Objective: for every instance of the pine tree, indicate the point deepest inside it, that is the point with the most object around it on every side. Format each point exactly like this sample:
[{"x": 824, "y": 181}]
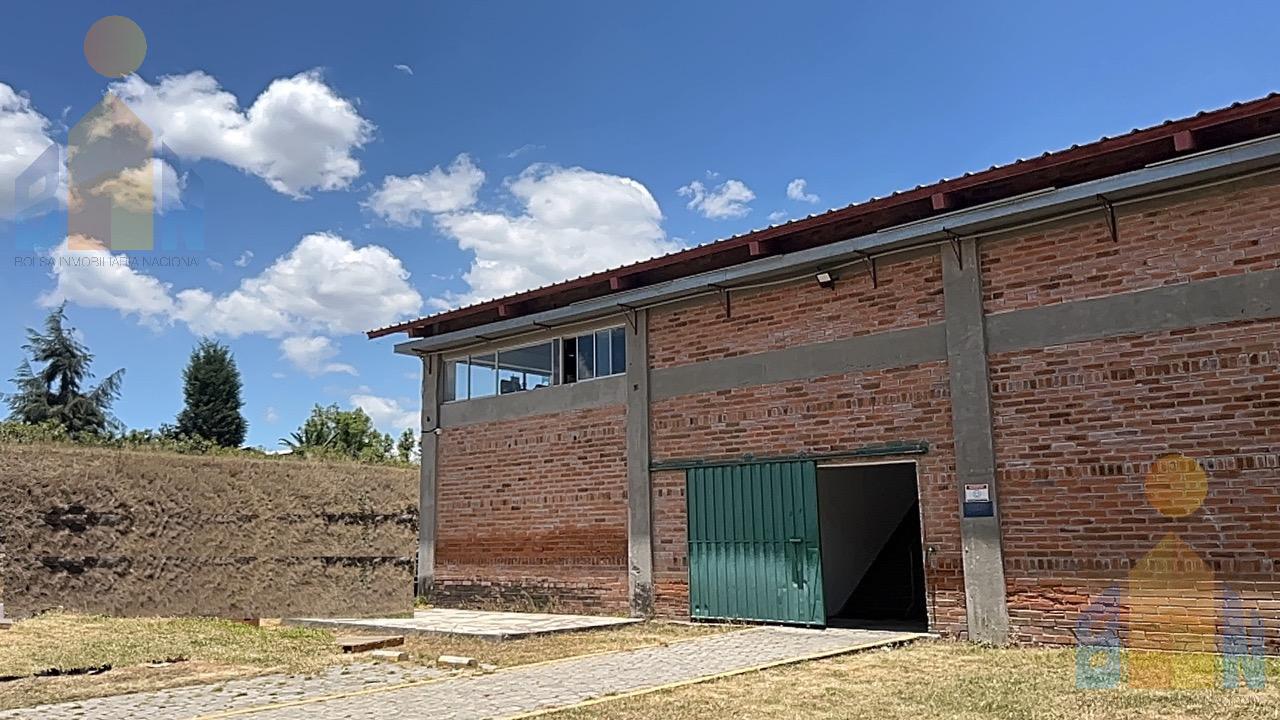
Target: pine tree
[
  {"x": 407, "y": 444},
  {"x": 56, "y": 392},
  {"x": 211, "y": 386}
]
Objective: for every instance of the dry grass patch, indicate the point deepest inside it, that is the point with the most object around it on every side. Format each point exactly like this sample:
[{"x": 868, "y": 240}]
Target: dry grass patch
[
  {"x": 210, "y": 650},
  {"x": 936, "y": 679},
  {"x": 425, "y": 649}
]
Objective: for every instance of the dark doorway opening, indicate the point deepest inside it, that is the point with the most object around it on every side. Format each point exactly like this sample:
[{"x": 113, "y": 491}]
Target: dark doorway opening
[{"x": 872, "y": 555}]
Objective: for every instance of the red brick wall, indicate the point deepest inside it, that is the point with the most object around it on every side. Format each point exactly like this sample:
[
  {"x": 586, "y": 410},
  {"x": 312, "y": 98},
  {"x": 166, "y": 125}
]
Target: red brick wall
[
  {"x": 1195, "y": 237},
  {"x": 909, "y": 295},
  {"x": 828, "y": 414},
  {"x": 1078, "y": 428},
  {"x": 670, "y": 545},
  {"x": 534, "y": 509}
]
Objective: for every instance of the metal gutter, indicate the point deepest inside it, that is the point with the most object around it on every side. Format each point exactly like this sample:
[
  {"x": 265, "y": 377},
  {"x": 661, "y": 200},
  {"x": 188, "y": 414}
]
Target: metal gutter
[{"x": 1000, "y": 216}]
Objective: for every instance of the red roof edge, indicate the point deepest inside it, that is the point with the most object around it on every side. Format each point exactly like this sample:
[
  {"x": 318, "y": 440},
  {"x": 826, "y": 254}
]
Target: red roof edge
[{"x": 1081, "y": 163}]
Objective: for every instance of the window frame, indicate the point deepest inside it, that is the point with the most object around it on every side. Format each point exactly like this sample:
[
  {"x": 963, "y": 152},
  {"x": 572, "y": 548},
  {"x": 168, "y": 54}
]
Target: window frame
[{"x": 557, "y": 343}]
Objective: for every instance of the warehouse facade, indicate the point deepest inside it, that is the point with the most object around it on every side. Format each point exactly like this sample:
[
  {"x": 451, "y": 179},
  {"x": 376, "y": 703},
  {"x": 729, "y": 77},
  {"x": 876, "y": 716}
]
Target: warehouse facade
[{"x": 1007, "y": 406}]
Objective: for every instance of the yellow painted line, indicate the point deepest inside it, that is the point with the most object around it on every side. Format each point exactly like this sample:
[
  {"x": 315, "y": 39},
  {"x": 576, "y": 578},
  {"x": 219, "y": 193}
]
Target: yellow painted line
[
  {"x": 240, "y": 712},
  {"x": 905, "y": 637}
]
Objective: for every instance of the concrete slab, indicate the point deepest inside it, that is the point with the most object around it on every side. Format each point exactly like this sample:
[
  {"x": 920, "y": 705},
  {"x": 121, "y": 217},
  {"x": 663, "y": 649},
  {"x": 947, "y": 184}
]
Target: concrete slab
[
  {"x": 365, "y": 643},
  {"x": 469, "y": 623}
]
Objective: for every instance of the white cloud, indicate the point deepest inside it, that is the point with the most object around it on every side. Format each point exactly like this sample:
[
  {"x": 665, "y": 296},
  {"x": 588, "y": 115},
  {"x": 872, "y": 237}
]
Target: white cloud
[
  {"x": 243, "y": 260},
  {"x": 777, "y": 216},
  {"x": 24, "y": 135},
  {"x": 324, "y": 283},
  {"x": 404, "y": 200},
  {"x": 574, "y": 222},
  {"x": 271, "y": 416},
  {"x": 89, "y": 275},
  {"x": 728, "y": 200},
  {"x": 217, "y": 266},
  {"x": 403, "y": 68},
  {"x": 298, "y": 135},
  {"x": 798, "y": 190},
  {"x": 387, "y": 413},
  {"x": 526, "y": 148},
  {"x": 312, "y": 355},
  {"x": 153, "y": 186}
]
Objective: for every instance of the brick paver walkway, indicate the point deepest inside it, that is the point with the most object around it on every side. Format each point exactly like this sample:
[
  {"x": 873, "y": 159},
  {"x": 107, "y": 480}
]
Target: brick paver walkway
[
  {"x": 195, "y": 700},
  {"x": 526, "y": 689}
]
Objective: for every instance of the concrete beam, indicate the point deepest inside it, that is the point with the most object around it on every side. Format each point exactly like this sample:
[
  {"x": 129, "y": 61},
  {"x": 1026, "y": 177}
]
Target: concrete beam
[
  {"x": 639, "y": 488},
  {"x": 895, "y": 348},
  {"x": 984, "y": 586},
  {"x": 600, "y": 392},
  {"x": 1252, "y": 296},
  {"x": 427, "y": 481}
]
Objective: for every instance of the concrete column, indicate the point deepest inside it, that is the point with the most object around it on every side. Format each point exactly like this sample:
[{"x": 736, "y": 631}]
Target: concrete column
[
  {"x": 639, "y": 490},
  {"x": 984, "y": 587},
  {"x": 432, "y": 369}
]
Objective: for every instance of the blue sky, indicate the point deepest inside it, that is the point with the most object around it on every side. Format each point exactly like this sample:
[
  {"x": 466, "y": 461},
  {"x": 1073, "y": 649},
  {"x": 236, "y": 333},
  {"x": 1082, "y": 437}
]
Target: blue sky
[{"x": 603, "y": 133}]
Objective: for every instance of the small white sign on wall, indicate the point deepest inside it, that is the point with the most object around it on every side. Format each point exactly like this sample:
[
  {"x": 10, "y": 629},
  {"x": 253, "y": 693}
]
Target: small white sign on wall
[{"x": 977, "y": 492}]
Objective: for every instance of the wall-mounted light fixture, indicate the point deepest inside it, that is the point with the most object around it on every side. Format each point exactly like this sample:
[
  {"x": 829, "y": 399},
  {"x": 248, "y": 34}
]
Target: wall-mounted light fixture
[{"x": 825, "y": 280}]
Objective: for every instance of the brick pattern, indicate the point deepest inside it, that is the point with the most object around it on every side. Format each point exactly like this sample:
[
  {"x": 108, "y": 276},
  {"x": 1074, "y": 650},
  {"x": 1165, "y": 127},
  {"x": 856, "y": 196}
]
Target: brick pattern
[
  {"x": 824, "y": 415},
  {"x": 534, "y": 511},
  {"x": 909, "y": 294},
  {"x": 1078, "y": 428},
  {"x": 1217, "y": 233}
]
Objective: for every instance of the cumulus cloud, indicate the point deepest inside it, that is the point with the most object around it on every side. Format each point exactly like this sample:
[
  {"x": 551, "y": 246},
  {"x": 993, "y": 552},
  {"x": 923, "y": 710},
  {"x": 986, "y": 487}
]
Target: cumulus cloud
[
  {"x": 243, "y": 260},
  {"x": 777, "y": 216},
  {"x": 298, "y": 135},
  {"x": 153, "y": 186},
  {"x": 730, "y": 199},
  {"x": 324, "y": 284},
  {"x": 798, "y": 190},
  {"x": 403, "y": 68},
  {"x": 24, "y": 136},
  {"x": 89, "y": 275},
  {"x": 386, "y": 413},
  {"x": 312, "y": 355},
  {"x": 405, "y": 200},
  {"x": 573, "y": 222}
]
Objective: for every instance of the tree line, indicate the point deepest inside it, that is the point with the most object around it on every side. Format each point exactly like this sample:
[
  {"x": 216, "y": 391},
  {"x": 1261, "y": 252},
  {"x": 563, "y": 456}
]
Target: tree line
[{"x": 54, "y": 400}]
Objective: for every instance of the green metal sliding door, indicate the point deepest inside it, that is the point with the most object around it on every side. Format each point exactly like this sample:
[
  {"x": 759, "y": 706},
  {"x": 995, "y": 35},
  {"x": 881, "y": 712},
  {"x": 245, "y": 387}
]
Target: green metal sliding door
[{"x": 753, "y": 543}]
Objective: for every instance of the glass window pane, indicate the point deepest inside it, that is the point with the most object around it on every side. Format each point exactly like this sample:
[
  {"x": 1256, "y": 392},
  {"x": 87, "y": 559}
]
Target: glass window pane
[
  {"x": 586, "y": 357},
  {"x": 604, "y": 358},
  {"x": 455, "y": 383},
  {"x": 618, "y": 343},
  {"x": 484, "y": 376},
  {"x": 525, "y": 368}
]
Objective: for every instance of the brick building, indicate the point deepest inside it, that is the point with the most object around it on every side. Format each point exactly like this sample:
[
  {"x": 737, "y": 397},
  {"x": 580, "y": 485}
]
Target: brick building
[{"x": 996, "y": 406}]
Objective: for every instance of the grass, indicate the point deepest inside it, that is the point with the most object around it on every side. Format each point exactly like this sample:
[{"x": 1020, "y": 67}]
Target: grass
[
  {"x": 210, "y": 650},
  {"x": 554, "y": 647},
  {"x": 935, "y": 679}
]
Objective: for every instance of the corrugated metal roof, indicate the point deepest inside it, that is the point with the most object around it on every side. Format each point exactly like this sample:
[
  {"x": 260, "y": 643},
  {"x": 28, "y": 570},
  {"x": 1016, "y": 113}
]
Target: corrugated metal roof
[{"x": 1107, "y": 156}]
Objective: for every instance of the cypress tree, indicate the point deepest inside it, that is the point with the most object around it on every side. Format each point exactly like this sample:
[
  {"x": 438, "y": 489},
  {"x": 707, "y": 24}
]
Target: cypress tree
[{"x": 211, "y": 386}]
